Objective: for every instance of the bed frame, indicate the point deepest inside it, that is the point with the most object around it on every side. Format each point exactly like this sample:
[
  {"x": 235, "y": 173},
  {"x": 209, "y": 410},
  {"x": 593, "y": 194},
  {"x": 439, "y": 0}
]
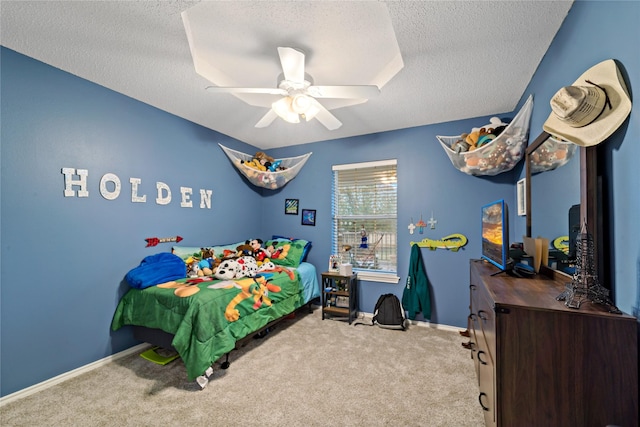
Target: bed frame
[{"x": 162, "y": 339}]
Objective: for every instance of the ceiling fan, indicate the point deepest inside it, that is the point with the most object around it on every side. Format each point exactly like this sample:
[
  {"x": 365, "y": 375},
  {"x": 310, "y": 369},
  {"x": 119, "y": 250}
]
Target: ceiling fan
[{"x": 299, "y": 93}]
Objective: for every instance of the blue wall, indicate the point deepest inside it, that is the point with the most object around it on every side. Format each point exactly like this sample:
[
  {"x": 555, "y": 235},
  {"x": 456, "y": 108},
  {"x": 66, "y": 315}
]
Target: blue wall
[
  {"x": 426, "y": 182},
  {"x": 593, "y": 32},
  {"x": 81, "y": 248},
  {"x": 64, "y": 258}
]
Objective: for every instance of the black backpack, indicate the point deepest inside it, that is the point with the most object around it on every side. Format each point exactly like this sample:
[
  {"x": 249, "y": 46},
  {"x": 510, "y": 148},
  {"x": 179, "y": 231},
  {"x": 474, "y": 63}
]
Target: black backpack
[{"x": 388, "y": 312}]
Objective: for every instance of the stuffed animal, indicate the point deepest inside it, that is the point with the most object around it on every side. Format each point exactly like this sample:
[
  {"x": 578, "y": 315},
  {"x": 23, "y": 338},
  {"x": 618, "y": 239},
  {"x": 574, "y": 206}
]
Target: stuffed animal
[
  {"x": 192, "y": 266},
  {"x": 209, "y": 262},
  {"x": 204, "y": 268},
  {"x": 247, "y": 267},
  {"x": 259, "y": 253},
  {"x": 495, "y": 126},
  {"x": 279, "y": 250},
  {"x": 479, "y": 137},
  {"x": 275, "y": 166},
  {"x": 460, "y": 146},
  {"x": 474, "y": 138},
  {"x": 228, "y": 254},
  {"x": 244, "y": 250},
  {"x": 493, "y": 130},
  {"x": 267, "y": 266},
  {"x": 546, "y": 158},
  {"x": 254, "y": 164},
  {"x": 227, "y": 270},
  {"x": 207, "y": 253},
  {"x": 267, "y": 179},
  {"x": 264, "y": 159}
]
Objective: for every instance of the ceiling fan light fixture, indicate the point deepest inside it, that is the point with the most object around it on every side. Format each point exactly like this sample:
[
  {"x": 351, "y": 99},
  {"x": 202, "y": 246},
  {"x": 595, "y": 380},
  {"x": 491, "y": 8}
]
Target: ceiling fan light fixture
[
  {"x": 298, "y": 100},
  {"x": 284, "y": 110},
  {"x": 305, "y": 106},
  {"x": 300, "y": 103},
  {"x": 312, "y": 111}
]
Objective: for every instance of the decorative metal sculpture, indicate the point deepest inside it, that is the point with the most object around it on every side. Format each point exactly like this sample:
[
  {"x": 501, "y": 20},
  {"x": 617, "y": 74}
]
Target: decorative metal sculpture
[{"x": 585, "y": 285}]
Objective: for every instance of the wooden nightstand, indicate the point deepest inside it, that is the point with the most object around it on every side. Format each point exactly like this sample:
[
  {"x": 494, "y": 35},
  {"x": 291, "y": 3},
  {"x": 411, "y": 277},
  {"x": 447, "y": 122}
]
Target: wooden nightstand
[{"x": 340, "y": 295}]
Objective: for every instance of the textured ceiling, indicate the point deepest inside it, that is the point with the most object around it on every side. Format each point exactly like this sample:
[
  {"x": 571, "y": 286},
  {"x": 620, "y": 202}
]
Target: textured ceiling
[{"x": 462, "y": 59}]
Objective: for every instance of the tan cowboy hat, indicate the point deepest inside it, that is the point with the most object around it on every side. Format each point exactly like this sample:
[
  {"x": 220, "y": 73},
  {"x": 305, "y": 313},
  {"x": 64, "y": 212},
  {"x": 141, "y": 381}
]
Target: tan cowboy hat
[{"x": 589, "y": 111}]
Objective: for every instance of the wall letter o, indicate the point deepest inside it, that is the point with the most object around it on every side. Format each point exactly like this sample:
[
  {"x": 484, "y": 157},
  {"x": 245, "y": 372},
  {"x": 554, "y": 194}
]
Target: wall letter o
[{"x": 103, "y": 186}]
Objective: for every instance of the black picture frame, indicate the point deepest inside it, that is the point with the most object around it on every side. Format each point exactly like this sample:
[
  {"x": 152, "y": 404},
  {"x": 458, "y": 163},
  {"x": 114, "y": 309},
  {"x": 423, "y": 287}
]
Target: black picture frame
[
  {"x": 291, "y": 206},
  {"x": 309, "y": 217}
]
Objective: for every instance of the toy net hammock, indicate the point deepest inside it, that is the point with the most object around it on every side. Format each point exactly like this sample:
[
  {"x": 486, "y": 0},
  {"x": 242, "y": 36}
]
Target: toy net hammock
[
  {"x": 552, "y": 154},
  {"x": 266, "y": 179},
  {"x": 499, "y": 155}
]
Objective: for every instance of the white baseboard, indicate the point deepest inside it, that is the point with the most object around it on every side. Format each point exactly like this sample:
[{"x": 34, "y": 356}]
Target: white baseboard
[
  {"x": 68, "y": 375},
  {"x": 420, "y": 323}
]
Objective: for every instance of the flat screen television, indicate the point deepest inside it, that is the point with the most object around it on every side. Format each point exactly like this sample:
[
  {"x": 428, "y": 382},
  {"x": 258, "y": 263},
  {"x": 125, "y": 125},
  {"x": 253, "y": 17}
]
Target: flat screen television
[{"x": 495, "y": 234}]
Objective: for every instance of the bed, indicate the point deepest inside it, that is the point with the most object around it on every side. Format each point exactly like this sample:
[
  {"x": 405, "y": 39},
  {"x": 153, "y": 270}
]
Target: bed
[{"x": 205, "y": 318}]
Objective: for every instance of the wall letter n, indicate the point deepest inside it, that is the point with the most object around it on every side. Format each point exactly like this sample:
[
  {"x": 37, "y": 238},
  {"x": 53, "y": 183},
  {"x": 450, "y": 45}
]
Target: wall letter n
[{"x": 69, "y": 182}]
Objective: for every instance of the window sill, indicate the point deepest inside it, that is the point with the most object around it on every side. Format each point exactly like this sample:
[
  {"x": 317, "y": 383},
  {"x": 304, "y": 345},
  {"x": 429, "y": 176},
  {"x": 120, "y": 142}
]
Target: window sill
[{"x": 378, "y": 277}]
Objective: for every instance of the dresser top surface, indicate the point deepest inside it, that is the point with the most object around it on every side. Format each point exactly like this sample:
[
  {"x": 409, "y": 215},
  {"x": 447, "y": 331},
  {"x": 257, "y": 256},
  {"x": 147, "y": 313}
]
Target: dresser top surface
[{"x": 538, "y": 293}]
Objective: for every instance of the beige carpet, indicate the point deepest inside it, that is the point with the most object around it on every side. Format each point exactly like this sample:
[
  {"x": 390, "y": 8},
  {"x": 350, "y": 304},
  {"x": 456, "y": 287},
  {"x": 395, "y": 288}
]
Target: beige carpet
[{"x": 307, "y": 372}]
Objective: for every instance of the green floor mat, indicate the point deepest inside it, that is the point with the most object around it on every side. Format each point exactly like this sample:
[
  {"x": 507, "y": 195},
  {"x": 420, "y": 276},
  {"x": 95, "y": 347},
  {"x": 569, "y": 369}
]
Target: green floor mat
[{"x": 152, "y": 356}]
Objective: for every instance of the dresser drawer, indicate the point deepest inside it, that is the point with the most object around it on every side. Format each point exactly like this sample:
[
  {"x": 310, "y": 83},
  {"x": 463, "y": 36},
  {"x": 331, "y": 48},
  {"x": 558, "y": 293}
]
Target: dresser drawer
[
  {"x": 539, "y": 362},
  {"x": 482, "y": 321}
]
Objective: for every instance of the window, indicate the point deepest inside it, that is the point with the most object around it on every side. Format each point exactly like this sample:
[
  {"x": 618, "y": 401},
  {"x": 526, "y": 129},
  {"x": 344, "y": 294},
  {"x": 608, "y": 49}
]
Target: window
[{"x": 364, "y": 209}]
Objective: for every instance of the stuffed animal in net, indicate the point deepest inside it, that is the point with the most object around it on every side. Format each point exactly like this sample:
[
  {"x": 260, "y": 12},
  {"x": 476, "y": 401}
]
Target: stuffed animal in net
[
  {"x": 479, "y": 137},
  {"x": 263, "y": 162}
]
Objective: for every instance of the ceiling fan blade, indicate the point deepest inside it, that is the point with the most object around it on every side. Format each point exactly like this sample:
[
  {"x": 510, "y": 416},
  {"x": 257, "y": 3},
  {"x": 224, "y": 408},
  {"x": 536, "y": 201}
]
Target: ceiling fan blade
[
  {"x": 265, "y": 90},
  {"x": 346, "y": 92},
  {"x": 267, "y": 119},
  {"x": 325, "y": 117},
  {"x": 292, "y": 64}
]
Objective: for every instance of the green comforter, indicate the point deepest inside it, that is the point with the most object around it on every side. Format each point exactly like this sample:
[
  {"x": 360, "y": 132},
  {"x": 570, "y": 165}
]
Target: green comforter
[{"x": 203, "y": 323}]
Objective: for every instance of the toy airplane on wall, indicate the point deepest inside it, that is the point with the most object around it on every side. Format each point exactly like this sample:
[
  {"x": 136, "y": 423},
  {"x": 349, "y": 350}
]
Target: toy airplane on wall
[{"x": 452, "y": 242}]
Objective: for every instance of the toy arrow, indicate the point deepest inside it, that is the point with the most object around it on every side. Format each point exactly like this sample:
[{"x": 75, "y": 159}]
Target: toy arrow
[{"x": 153, "y": 241}]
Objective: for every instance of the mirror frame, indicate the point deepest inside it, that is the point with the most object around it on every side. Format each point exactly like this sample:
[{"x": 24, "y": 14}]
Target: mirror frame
[{"x": 588, "y": 193}]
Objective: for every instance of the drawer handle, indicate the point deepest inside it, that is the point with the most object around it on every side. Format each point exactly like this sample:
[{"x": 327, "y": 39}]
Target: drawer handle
[
  {"x": 482, "y": 314},
  {"x": 480, "y": 357},
  {"x": 484, "y": 408},
  {"x": 472, "y": 287}
]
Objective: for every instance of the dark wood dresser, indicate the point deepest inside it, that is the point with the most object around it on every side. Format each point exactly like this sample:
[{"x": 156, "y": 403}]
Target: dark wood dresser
[{"x": 540, "y": 363}]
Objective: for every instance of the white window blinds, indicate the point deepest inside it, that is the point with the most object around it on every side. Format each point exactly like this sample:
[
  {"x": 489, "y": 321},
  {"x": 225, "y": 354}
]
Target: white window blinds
[{"x": 364, "y": 209}]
